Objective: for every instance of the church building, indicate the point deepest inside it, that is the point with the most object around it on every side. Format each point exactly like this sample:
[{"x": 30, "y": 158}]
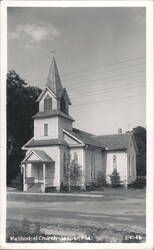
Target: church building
[{"x": 57, "y": 145}]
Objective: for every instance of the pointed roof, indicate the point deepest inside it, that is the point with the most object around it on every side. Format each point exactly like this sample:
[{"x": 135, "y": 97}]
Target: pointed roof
[
  {"x": 53, "y": 84},
  {"x": 53, "y": 79},
  {"x": 40, "y": 154}
]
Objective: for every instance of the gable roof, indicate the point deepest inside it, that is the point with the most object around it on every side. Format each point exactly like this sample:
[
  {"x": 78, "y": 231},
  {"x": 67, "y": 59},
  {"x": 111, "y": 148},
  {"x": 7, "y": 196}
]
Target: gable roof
[
  {"x": 48, "y": 142},
  {"x": 40, "y": 154},
  {"x": 116, "y": 141},
  {"x": 84, "y": 137},
  {"x": 44, "y": 92},
  {"x": 61, "y": 92},
  {"x": 52, "y": 113}
]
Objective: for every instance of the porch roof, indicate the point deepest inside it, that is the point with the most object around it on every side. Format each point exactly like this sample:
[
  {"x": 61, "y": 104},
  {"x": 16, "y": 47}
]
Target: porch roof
[
  {"x": 40, "y": 154},
  {"x": 48, "y": 142}
]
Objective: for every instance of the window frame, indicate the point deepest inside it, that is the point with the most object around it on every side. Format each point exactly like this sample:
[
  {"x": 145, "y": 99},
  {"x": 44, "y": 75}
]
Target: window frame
[
  {"x": 47, "y": 102},
  {"x": 129, "y": 166},
  {"x": 46, "y": 129},
  {"x": 63, "y": 105},
  {"x": 65, "y": 164},
  {"x": 93, "y": 166}
]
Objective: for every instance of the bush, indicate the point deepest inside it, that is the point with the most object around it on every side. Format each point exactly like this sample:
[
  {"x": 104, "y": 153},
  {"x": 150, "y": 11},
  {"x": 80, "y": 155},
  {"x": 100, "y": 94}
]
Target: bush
[
  {"x": 101, "y": 180},
  {"x": 64, "y": 188},
  {"x": 18, "y": 182},
  {"x": 92, "y": 186},
  {"x": 50, "y": 189},
  {"x": 140, "y": 183}
]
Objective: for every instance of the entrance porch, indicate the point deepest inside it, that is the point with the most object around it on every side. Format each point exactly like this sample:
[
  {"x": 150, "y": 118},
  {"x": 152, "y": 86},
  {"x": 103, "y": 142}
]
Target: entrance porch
[{"x": 38, "y": 172}]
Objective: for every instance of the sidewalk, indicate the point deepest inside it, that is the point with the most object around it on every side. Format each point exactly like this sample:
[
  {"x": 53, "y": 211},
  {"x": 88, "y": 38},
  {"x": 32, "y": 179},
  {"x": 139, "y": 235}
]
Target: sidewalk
[{"x": 55, "y": 194}]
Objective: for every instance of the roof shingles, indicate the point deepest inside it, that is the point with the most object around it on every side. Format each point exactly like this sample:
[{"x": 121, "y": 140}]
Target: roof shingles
[
  {"x": 49, "y": 142},
  {"x": 52, "y": 114},
  {"x": 43, "y": 155},
  {"x": 115, "y": 142},
  {"x": 86, "y": 138}
]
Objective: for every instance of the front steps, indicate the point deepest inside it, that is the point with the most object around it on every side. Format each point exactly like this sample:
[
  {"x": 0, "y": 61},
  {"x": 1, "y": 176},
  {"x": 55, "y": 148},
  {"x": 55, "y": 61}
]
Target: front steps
[{"x": 34, "y": 188}]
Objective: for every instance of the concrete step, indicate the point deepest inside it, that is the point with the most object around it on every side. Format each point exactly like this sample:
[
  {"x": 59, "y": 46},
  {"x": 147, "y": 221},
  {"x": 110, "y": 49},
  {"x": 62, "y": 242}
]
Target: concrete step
[{"x": 34, "y": 188}]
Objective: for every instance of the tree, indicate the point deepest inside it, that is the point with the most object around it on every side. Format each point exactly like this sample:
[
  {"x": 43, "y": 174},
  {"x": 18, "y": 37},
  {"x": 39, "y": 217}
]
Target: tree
[
  {"x": 73, "y": 172},
  {"x": 140, "y": 137},
  {"x": 21, "y": 106}
]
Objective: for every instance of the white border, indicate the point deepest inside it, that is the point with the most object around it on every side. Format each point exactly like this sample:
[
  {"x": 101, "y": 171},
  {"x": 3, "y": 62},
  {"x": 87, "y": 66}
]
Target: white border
[{"x": 150, "y": 122}]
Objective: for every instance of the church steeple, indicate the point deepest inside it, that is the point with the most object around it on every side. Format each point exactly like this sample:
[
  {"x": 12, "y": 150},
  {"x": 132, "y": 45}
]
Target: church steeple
[
  {"x": 54, "y": 96},
  {"x": 53, "y": 115},
  {"x": 53, "y": 79}
]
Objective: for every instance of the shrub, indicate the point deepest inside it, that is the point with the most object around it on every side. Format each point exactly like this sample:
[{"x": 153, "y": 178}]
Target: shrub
[
  {"x": 140, "y": 183},
  {"x": 101, "y": 181},
  {"x": 18, "y": 182},
  {"x": 50, "y": 189},
  {"x": 64, "y": 188}
]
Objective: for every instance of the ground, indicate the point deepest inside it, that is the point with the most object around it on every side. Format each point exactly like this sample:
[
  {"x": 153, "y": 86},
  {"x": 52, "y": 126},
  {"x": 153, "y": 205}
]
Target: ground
[{"x": 107, "y": 216}]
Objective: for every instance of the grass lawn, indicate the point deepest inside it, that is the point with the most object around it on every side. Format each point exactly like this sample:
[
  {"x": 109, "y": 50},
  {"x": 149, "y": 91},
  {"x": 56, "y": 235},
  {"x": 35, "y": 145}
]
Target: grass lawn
[{"x": 113, "y": 217}]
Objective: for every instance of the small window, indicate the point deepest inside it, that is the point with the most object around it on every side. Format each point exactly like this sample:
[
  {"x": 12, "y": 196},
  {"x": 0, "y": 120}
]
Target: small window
[
  {"x": 48, "y": 104},
  {"x": 46, "y": 129},
  {"x": 93, "y": 167}
]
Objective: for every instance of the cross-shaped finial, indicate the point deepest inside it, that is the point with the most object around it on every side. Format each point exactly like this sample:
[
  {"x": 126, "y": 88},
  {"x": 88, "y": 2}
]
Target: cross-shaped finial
[{"x": 53, "y": 51}]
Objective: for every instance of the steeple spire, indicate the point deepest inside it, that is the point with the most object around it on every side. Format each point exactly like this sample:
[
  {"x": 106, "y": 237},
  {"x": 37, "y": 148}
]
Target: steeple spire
[{"x": 53, "y": 79}]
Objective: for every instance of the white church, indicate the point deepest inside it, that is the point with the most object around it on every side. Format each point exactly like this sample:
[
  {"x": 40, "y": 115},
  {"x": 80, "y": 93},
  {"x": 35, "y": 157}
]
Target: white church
[{"x": 45, "y": 164}]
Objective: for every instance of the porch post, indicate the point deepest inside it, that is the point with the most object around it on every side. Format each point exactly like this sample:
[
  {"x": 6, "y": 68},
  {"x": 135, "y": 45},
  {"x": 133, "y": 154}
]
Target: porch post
[
  {"x": 43, "y": 185},
  {"x": 24, "y": 176}
]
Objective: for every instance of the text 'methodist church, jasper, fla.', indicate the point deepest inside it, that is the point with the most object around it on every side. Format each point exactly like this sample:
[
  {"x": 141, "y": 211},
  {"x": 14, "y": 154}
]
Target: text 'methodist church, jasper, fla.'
[{"x": 45, "y": 164}]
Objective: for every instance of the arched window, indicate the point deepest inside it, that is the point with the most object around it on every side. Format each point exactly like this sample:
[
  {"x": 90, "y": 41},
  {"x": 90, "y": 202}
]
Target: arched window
[
  {"x": 76, "y": 158},
  {"x": 47, "y": 103},
  {"x": 93, "y": 166},
  {"x": 133, "y": 166},
  {"x": 129, "y": 166},
  {"x": 63, "y": 105},
  {"x": 65, "y": 164},
  {"x": 114, "y": 162}
]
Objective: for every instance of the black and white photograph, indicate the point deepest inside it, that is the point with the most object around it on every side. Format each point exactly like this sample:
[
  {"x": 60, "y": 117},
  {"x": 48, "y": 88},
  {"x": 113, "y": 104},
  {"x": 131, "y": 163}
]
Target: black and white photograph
[{"x": 76, "y": 126}]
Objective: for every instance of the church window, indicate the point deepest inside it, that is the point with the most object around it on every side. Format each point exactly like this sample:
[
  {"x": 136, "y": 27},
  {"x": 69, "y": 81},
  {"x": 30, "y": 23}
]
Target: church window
[
  {"x": 93, "y": 166},
  {"x": 65, "y": 164},
  {"x": 114, "y": 162},
  {"x": 47, "y": 104},
  {"x": 63, "y": 105},
  {"x": 133, "y": 171},
  {"x": 76, "y": 158},
  {"x": 45, "y": 129},
  {"x": 129, "y": 165}
]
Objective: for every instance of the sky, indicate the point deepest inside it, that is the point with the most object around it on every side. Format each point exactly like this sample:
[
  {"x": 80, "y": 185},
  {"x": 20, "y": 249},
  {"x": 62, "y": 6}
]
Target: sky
[{"x": 100, "y": 53}]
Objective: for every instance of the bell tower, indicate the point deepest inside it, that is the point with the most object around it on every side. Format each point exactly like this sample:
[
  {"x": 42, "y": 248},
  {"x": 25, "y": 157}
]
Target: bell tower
[{"x": 53, "y": 115}]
